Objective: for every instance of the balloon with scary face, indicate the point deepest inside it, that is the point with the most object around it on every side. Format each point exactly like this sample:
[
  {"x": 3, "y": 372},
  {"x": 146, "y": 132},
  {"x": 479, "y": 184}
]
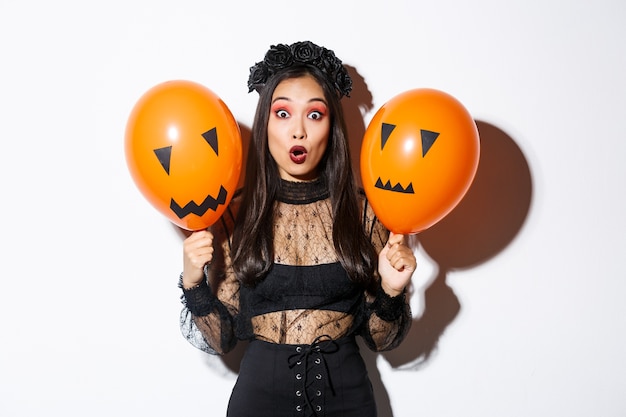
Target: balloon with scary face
[
  {"x": 183, "y": 150},
  {"x": 418, "y": 159}
]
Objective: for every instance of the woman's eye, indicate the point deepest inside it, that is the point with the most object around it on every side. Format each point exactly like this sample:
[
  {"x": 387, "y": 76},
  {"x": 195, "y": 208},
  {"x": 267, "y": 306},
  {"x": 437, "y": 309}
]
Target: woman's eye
[
  {"x": 282, "y": 114},
  {"x": 315, "y": 115}
]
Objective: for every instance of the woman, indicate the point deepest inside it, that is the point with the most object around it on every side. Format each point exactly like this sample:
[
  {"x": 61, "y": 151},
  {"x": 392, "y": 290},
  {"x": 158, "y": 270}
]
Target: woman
[{"x": 298, "y": 265}]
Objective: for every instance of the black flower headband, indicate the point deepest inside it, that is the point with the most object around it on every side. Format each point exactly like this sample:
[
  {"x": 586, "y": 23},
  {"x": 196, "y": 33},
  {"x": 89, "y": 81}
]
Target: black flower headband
[{"x": 282, "y": 56}]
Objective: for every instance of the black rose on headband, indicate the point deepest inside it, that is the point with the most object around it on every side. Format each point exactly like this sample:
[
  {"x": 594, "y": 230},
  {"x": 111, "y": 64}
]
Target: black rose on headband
[
  {"x": 278, "y": 57},
  {"x": 282, "y": 56},
  {"x": 306, "y": 52}
]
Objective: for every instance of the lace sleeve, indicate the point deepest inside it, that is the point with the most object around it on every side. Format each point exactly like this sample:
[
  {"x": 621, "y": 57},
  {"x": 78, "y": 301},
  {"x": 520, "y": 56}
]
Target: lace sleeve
[
  {"x": 387, "y": 319},
  {"x": 207, "y": 316}
]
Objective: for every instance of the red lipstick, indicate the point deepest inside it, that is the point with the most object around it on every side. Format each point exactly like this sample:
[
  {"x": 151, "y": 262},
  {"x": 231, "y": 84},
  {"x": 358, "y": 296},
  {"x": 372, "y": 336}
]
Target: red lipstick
[{"x": 298, "y": 154}]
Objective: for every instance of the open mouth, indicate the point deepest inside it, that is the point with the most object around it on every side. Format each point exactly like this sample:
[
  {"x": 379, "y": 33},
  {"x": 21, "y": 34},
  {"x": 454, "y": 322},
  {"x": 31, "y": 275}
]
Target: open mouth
[{"x": 298, "y": 154}]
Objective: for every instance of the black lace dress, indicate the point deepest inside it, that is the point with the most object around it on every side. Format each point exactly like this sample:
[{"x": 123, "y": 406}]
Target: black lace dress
[{"x": 301, "y": 320}]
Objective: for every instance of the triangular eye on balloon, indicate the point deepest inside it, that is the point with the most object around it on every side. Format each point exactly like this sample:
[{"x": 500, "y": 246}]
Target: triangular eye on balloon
[
  {"x": 428, "y": 137},
  {"x": 164, "y": 155},
  {"x": 211, "y": 137}
]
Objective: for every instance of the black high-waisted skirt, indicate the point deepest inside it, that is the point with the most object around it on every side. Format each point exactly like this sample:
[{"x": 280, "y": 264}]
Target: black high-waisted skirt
[{"x": 325, "y": 379}]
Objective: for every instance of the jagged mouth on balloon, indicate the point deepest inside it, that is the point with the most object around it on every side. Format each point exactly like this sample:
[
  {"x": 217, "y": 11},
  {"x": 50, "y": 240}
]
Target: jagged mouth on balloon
[
  {"x": 209, "y": 203},
  {"x": 398, "y": 188}
]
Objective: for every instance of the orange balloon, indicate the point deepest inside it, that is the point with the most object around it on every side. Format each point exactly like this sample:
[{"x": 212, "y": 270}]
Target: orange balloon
[
  {"x": 184, "y": 151},
  {"x": 418, "y": 159}
]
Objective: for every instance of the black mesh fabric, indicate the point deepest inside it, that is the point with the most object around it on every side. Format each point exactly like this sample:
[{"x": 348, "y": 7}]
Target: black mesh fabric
[{"x": 306, "y": 294}]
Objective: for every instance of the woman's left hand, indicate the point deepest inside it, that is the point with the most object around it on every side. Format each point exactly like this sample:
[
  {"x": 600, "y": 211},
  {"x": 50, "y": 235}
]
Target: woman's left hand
[{"x": 396, "y": 264}]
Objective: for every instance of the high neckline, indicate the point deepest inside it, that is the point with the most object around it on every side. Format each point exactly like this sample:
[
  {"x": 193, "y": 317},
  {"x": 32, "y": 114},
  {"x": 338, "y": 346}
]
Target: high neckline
[{"x": 302, "y": 192}]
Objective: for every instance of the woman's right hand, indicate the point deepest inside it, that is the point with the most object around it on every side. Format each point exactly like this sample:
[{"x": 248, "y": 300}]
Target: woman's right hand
[{"x": 197, "y": 252}]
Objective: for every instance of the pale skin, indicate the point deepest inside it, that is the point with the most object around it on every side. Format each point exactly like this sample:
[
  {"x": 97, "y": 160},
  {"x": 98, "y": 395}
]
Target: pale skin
[{"x": 298, "y": 131}]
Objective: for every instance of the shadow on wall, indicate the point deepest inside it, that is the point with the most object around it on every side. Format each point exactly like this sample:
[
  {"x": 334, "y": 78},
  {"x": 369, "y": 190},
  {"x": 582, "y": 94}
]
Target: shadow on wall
[
  {"x": 487, "y": 219},
  {"x": 484, "y": 223}
]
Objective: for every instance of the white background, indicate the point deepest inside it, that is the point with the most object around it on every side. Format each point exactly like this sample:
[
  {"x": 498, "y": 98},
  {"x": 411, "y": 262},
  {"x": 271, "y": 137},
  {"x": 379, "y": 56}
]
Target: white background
[{"x": 519, "y": 302}]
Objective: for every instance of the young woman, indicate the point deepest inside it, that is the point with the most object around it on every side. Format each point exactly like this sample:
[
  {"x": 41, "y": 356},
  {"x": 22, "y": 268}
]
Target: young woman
[{"x": 299, "y": 264}]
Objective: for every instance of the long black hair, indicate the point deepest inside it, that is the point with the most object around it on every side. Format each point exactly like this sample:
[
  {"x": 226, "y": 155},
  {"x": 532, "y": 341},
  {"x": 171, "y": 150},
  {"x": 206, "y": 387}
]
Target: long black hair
[{"x": 253, "y": 237}]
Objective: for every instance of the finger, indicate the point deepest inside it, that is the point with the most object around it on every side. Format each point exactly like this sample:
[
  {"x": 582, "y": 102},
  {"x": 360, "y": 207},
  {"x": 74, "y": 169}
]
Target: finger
[
  {"x": 395, "y": 238},
  {"x": 401, "y": 258},
  {"x": 396, "y": 247},
  {"x": 201, "y": 258},
  {"x": 199, "y": 234},
  {"x": 199, "y": 239}
]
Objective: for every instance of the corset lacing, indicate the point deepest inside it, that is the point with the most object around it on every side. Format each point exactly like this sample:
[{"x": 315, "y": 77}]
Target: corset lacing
[{"x": 321, "y": 346}]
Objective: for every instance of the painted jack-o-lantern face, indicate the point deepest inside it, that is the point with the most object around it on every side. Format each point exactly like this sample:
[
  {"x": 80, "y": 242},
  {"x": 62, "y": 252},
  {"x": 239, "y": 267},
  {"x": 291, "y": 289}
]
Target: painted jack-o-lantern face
[
  {"x": 184, "y": 151},
  {"x": 419, "y": 157}
]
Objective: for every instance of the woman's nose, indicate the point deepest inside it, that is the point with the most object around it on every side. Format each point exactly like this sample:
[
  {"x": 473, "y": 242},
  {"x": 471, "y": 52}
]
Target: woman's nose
[{"x": 299, "y": 132}]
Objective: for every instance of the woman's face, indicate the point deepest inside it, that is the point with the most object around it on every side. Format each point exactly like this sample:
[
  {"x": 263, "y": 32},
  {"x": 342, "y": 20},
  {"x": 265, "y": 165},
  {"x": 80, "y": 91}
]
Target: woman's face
[{"x": 298, "y": 128}]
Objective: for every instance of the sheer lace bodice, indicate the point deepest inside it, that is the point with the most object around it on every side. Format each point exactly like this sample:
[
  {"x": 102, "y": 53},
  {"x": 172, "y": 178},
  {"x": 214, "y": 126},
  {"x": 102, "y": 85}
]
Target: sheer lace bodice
[
  {"x": 304, "y": 234},
  {"x": 306, "y": 294}
]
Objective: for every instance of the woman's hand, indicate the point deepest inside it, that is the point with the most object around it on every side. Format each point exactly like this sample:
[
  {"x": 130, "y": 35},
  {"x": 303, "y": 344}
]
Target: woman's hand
[
  {"x": 396, "y": 264},
  {"x": 197, "y": 252}
]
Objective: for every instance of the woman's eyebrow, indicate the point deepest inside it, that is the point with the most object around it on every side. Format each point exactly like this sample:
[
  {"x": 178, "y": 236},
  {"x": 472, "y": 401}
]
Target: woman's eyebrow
[
  {"x": 312, "y": 100},
  {"x": 280, "y": 98}
]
